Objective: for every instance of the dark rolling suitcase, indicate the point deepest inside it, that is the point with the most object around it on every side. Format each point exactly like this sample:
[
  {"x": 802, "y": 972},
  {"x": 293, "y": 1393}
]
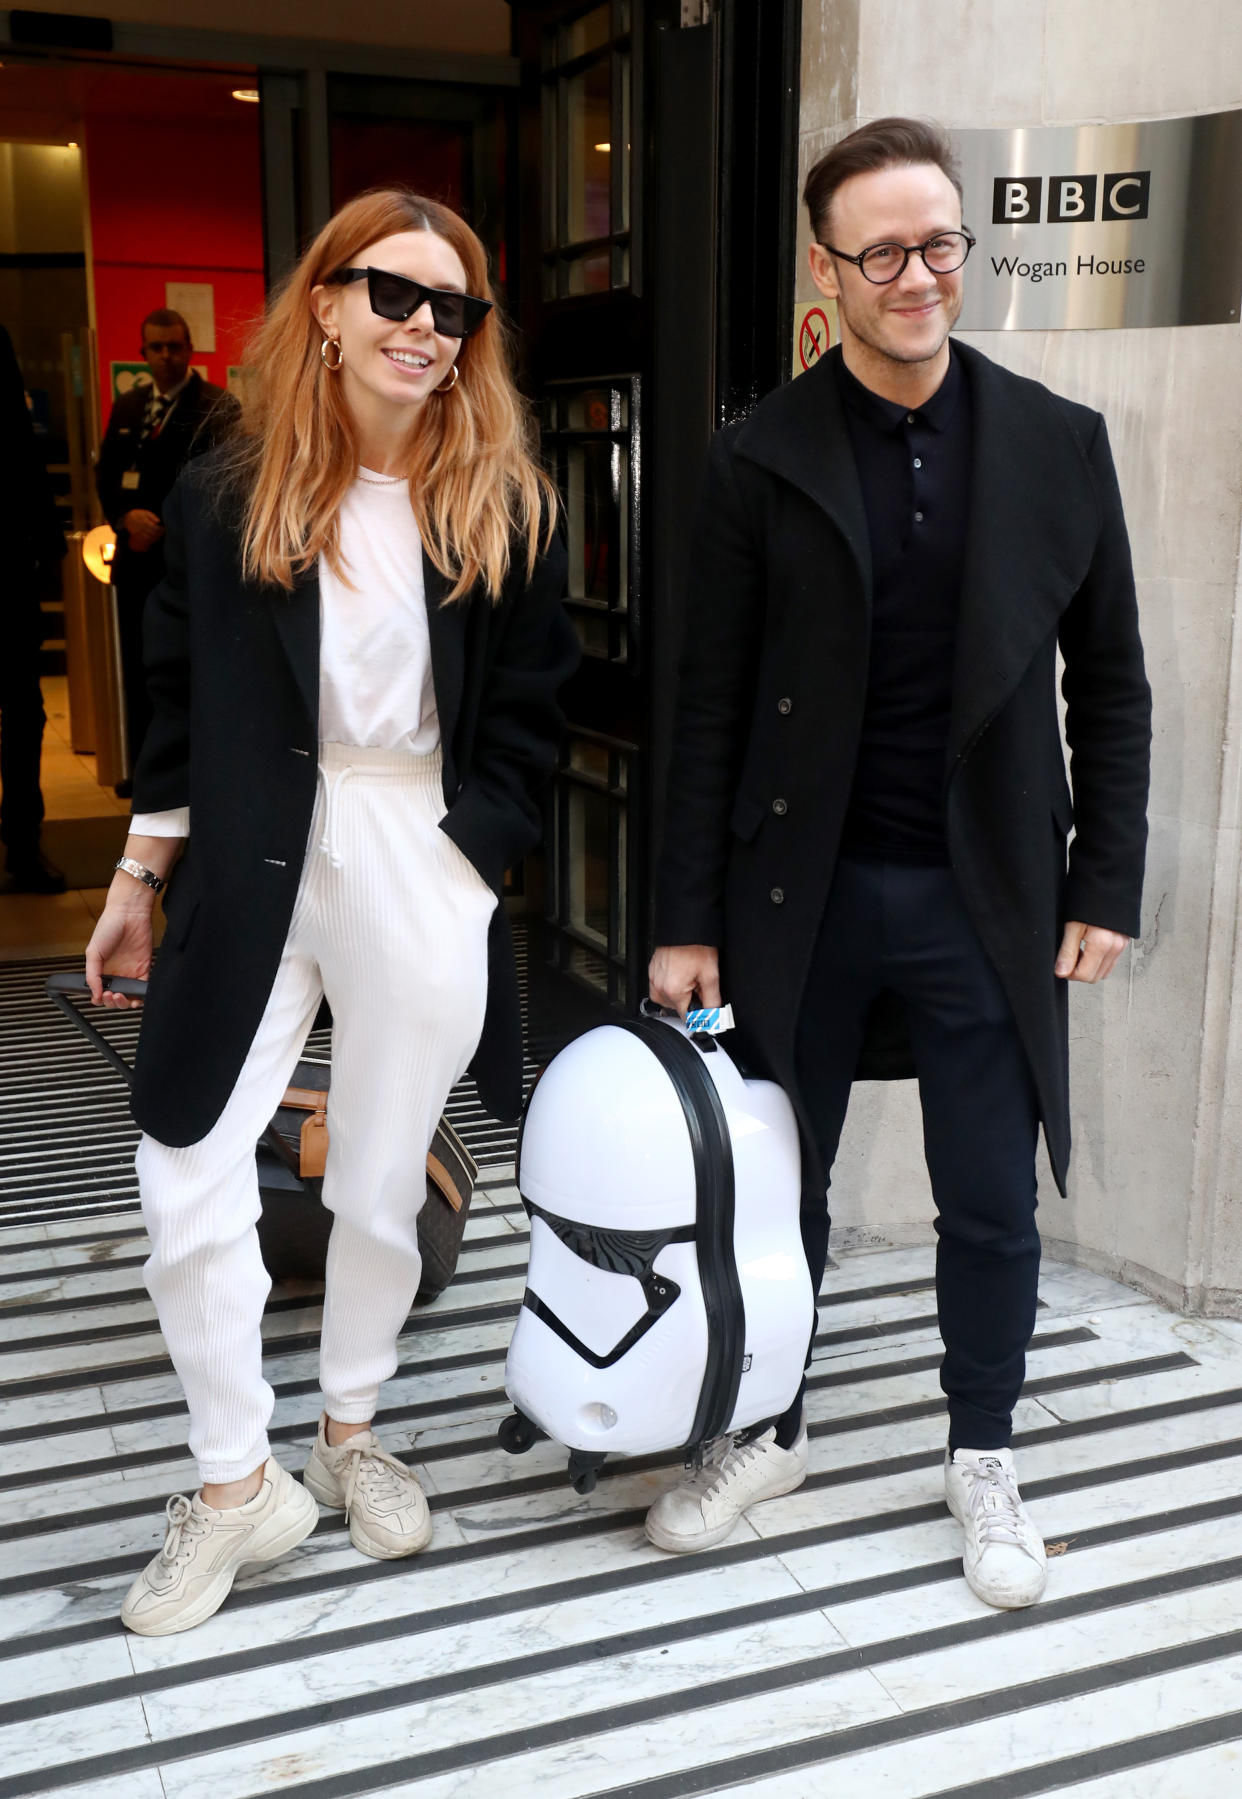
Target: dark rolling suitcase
[{"x": 295, "y": 1224}]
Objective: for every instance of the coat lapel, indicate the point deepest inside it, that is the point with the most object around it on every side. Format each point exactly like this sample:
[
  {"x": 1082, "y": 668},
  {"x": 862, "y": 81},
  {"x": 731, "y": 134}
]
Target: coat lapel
[
  {"x": 1029, "y": 541},
  {"x": 296, "y": 617},
  {"x": 446, "y": 628},
  {"x": 800, "y": 434}
]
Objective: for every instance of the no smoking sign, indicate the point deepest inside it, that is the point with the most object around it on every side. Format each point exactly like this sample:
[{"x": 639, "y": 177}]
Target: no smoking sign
[{"x": 814, "y": 333}]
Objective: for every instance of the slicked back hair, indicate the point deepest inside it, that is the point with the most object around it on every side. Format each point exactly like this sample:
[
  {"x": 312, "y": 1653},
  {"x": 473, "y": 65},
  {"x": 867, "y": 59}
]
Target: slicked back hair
[{"x": 883, "y": 144}]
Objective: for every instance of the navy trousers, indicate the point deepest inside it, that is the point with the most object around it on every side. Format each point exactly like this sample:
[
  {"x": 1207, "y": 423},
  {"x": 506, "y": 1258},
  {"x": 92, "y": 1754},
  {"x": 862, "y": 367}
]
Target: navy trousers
[{"x": 904, "y": 929}]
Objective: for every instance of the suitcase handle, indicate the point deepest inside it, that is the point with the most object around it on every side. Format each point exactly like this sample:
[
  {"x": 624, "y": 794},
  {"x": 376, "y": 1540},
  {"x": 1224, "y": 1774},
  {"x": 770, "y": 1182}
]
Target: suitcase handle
[
  {"x": 651, "y": 1008},
  {"x": 58, "y": 987}
]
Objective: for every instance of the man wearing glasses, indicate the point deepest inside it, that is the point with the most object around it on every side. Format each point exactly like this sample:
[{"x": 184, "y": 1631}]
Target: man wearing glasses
[{"x": 867, "y": 805}]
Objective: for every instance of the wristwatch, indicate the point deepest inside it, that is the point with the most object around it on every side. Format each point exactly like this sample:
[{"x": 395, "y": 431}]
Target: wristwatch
[{"x": 147, "y": 876}]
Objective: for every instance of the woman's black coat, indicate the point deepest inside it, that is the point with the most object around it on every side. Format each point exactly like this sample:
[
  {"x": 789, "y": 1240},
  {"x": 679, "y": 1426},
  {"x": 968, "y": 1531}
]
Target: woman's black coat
[
  {"x": 774, "y": 680},
  {"x": 233, "y": 670}
]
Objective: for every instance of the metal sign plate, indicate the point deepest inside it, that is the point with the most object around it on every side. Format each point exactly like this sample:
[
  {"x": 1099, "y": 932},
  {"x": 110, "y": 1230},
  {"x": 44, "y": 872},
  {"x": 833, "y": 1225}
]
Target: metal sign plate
[{"x": 1094, "y": 226}]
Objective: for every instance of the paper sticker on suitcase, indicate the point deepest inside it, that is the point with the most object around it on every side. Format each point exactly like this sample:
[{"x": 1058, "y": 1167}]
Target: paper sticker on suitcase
[{"x": 668, "y": 1299}]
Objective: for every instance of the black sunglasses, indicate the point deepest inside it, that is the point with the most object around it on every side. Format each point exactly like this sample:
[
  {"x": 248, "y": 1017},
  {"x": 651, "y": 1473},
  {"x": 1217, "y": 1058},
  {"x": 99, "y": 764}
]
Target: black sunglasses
[{"x": 396, "y": 297}]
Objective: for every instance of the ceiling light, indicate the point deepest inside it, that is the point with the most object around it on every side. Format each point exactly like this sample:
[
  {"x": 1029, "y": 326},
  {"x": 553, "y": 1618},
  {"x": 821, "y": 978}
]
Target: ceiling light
[
  {"x": 604, "y": 147},
  {"x": 71, "y": 145},
  {"x": 247, "y": 93}
]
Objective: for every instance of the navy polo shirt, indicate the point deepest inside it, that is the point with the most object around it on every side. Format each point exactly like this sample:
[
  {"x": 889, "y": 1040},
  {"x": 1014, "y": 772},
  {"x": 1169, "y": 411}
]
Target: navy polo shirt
[{"x": 914, "y": 468}]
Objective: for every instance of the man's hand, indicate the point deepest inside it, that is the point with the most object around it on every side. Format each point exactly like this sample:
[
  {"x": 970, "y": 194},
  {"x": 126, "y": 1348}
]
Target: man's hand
[
  {"x": 142, "y": 528},
  {"x": 1088, "y": 952},
  {"x": 677, "y": 974}
]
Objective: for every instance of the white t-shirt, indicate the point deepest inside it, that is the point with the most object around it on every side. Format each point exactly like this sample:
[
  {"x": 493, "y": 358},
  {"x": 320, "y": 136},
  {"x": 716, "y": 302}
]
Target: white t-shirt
[{"x": 375, "y": 687}]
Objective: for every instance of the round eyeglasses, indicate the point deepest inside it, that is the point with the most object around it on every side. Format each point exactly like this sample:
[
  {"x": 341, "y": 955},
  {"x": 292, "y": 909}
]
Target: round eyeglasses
[{"x": 883, "y": 263}]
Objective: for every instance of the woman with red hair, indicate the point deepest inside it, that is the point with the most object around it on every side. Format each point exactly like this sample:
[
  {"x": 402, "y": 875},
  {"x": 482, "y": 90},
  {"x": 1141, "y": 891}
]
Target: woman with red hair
[{"x": 354, "y": 662}]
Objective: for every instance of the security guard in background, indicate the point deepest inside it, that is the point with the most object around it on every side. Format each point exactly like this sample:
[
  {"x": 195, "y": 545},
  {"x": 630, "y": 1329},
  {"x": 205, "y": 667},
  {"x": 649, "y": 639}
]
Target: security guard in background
[{"x": 153, "y": 430}]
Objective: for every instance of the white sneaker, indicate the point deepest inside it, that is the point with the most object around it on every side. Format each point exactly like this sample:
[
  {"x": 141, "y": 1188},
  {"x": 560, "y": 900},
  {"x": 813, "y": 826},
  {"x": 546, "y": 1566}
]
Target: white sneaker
[
  {"x": 702, "y": 1510},
  {"x": 388, "y": 1514},
  {"x": 205, "y": 1550},
  {"x": 1004, "y": 1563}
]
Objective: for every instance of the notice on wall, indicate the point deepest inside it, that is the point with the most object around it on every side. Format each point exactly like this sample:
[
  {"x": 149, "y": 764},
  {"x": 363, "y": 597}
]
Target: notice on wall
[
  {"x": 196, "y": 302},
  {"x": 1092, "y": 226}
]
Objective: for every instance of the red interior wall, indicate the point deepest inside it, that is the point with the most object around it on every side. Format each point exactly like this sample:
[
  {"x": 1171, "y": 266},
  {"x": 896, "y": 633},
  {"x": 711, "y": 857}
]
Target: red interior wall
[{"x": 174, "y": 200}]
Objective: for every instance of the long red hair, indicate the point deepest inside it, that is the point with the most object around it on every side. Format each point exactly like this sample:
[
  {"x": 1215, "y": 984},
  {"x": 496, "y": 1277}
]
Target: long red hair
[{"x": 478, "y": 493}]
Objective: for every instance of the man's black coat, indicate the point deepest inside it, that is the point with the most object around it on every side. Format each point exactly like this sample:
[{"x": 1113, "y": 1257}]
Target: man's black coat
[
  {"x": 233, "y": 671},
  {"x": 202, "y": 413},
  {"x": 773, "y": 685}
]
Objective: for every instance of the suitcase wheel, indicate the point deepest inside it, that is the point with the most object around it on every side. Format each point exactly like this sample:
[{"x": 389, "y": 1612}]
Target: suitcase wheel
[
  {"x": 517, "y": 1433},
  {"x": 583, "y": 1468}
]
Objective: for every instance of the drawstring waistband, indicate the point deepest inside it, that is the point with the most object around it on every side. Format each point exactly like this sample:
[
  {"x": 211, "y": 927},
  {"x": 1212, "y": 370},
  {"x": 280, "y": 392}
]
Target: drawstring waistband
[
  {"x": 332, "y": 784},
  {"x": 340, "y": 762}
]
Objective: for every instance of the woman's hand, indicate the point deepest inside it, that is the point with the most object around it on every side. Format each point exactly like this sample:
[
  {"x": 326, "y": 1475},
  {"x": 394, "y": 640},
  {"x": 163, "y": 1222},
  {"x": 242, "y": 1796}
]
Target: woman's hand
[{"x": 120, "y": 944}]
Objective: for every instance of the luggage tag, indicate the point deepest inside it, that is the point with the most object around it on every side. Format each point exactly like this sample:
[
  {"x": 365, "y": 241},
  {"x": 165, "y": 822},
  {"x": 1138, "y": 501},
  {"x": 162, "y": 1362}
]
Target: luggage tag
[
  {"x": 313, "y": 1137},
  {"x": 313, "y": 1142},
  {"x": 709, "y": 1021},
  {"x": 700, "y": 1021}
]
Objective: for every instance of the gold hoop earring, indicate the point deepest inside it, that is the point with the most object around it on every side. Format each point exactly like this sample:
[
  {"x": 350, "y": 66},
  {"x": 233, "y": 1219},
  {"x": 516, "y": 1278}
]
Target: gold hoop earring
[
  {"x": 324, "y": 347},
  {"x": 447, "y": 387}
]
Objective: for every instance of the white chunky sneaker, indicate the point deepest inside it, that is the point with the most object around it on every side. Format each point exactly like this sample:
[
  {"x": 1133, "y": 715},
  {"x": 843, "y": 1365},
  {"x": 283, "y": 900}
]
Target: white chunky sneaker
[
  {"x": 1004, "y": 1562},
  {"x": 388, "y": 1515},
  {"x": 205, "y": 1550},
  {"x": 702, "y": 1509}
]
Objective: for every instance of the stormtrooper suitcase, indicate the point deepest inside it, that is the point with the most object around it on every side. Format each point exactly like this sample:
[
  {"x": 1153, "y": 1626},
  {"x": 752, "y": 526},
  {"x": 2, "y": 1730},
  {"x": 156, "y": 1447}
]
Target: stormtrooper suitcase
[{"x": 668, "y": 1299}]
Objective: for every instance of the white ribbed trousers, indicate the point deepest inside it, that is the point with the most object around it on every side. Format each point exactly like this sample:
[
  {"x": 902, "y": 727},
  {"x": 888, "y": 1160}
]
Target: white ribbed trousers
[{"x": 391, "y": 923}]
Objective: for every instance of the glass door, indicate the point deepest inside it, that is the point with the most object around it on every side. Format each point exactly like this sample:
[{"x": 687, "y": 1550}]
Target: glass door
[
  {"x": 586, "y": 339},
  {"x": 445, "y": 140}
]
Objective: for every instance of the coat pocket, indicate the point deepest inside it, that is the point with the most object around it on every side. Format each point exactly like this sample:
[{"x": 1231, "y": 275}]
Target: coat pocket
[{"x": 746, "y": 817}]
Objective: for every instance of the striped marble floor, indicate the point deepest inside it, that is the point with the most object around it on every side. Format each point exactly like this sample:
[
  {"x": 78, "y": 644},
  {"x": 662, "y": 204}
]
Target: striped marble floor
[{"x": 542, "y": 1647}]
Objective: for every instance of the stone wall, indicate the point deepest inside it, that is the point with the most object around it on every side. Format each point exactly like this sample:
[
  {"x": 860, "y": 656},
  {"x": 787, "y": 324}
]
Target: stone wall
[{"x": 1156, "y": 1054}]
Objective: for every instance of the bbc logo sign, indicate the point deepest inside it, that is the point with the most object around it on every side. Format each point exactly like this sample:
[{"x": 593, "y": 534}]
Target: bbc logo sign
[{"x": 1072, "y": 199}]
